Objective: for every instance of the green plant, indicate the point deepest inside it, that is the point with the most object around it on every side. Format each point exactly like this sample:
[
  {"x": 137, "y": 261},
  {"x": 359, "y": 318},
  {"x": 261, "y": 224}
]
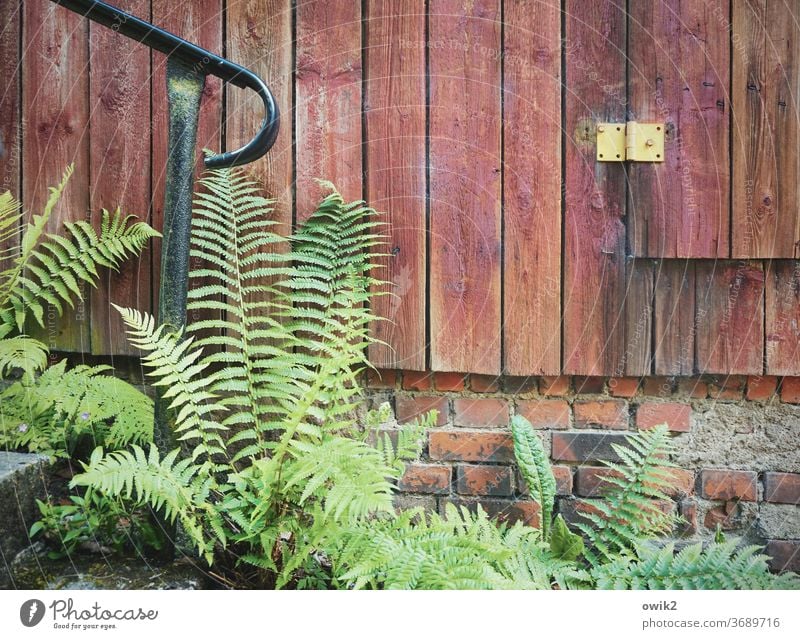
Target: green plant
[
  {"x": 51, "y": 412},
  {"x": 620, "y": 551},
  {"x": 97, "y": 521},
  {"x": 62, "y": 411},
  {"x": 273, "y": 461}
]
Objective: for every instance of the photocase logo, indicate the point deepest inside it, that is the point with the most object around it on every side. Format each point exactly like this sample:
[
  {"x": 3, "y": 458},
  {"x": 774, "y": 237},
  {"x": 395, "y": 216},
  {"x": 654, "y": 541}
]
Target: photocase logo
[{"x": 31, "y": 612}]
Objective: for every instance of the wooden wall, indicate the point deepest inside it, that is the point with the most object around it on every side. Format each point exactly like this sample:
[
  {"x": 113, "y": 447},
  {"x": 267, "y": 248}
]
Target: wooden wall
[{"x": 472, "y": 124}]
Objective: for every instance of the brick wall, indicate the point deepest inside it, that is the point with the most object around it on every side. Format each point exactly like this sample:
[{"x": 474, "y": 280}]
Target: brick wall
[{"x": 737, "y": 442}]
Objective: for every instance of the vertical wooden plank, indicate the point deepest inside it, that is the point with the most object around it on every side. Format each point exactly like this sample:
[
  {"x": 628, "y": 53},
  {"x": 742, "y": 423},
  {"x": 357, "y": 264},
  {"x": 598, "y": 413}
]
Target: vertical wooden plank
[
  {"x": 594, "y": 256},
  {"x": 259, "y": 37},
  {"x": 395, "y": 177},
  {"x": 10, "y": 85},
  {"x": 199, "y": 22},
  {"x": 56, "y": 113},
  {"x": 532, "y": 187},
  {"x": 636, "y": 358},
  {"x": 119, "y": 125},
  {"x": 679, "y": 74},
  {"x": 675, "y": 317},
  {"x": 10, "y": 133},
  {"x": 783, "y": 317},
  {"x": 465, "y": 197},
  {"x": 766, "y": 163},
  {"x": 328, "y": 101},
  {"x": 730, "y": 317}
]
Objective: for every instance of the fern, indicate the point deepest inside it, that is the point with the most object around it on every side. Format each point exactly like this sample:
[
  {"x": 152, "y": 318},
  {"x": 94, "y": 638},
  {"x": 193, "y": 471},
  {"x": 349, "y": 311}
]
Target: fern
[
  {"x": 53, "y": 413},
  {"x": 630, "y": 510},
  {"x": 534, "y": 466},
  {"x": 718, "y": 566}
]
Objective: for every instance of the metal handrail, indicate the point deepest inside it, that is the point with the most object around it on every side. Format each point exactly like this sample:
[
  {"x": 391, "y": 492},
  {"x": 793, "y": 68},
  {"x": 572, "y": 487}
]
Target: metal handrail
[{"x": 198, "y": 59}]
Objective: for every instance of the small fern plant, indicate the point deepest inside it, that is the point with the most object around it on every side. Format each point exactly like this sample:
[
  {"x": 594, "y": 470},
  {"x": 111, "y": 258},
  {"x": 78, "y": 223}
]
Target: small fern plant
[
  {"x": 619, "y": 547},
  {"x": 51, "y": 412},
  {"x": 272, "y": 460}
]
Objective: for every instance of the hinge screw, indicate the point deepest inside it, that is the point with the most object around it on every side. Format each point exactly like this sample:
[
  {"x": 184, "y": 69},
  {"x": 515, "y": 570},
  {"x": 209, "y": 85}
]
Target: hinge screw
[{"x": 649, "y": 142}]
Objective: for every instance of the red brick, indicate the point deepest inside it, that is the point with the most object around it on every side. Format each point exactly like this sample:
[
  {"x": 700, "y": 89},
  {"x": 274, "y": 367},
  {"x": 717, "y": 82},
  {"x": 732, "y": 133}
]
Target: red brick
[
  {"x": 657, "y": 386},
  {"x": 790, "y": 390},
  {"x": 728, "y": 484},
  {"x": 480, "y": 412},
  {"x": 730, "y": 387},
  {"x": 504, "y": 510},
  {"x": 589, "y": 385},
  {"x": 585, "y": 447},
  {"x": 782, "y": 488},
  {"x": 785, "y": 555},
  {"x": 693, "y": 387},
  {"x": 545, "y": 413},
  {"x": 682, "y": 483},
  {"x": 409, "y": 407},
  {"x": 449, "y": 381},
  {"x": 563, "y": 477},
  {"x": 723, "y": 516},
  {"x": 572, "y": 509},
  {"x": 611, "y": 413},
  {"x": 484, "y": 383},
  {"x": 761, "y": 387},
  {"x": 426, "y": 478},
  {"x": 623, "y": 386},
  {"x": 494, "y": 481},
  {"x": 407, "y": 501},
  {"x": 471, "y": 446},
  {"x": 591, "y": 482},
  {"x": 688, "y": 511},
  {"x": 554, "y": 386},
  {"x": 381, "y": 378},
  {"x": 520, "y": 385},
  {"x": 418, "y": 381},
  {"x": 673, "y": 414}
]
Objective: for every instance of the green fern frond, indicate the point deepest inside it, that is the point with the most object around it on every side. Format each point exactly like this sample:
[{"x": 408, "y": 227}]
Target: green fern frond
[
  {"x": 22, "y": 352},
  {"x": 534, "y": 465},
  {"x": 718, "y": 566},
  {"x": 631, "y": 509}
]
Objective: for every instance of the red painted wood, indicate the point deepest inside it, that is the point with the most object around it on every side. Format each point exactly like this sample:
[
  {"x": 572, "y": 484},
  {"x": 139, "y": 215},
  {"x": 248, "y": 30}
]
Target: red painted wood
[
  {"x": 328, "y": 108},
  {"x": 532, "y": 187},
  {"x": 783, "y": 317},
  {"x": 674, "y": 317},
  {"x": 119, "y": 176},
  {"x": 56, "y": 113},
  {"x": 766, "y": 163},
  {"x": 730, "y": 317},
  {"x": 10, "y": 126},
  {"x": 636, "y": 356},
  {"x": 200, "y": 22},
  {"x": 594, "y": 233},
  {"x": 679, "y": 59},
  {"x": 465, "y": 197},
  {"x": 259, "y": 37},
  {"x": 395, "y": 177}
]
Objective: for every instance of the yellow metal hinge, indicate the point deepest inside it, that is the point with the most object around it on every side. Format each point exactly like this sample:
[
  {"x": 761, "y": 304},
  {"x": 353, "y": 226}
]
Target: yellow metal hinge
[{"x": 633, "y": 141}]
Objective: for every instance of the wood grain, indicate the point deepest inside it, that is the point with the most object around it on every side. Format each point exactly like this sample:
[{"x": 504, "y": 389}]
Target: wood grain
[
  {"x": 766, "y": 162},
  {"x": 119, "y": 133},
  {"x": 679, "y": 56},
  {"x": 465, "y": 185},
  {"x": 10, "y": 125},
  {"x": 783, "y": 317},
  {"x": 674, "y": 337},
  {"x": 396, "y": 176},
  {"x": 55, "y": 127},
  {"x": 328, "y": 101},
  {"x": 199, "y": 22},
  {"x": 730, "y": 317},
  {"x": 636, "y": 358},
  {"x": 532, "y": 187},
  {"x": 259, "y": 37},
  {"x": 594, "y": 233}
]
